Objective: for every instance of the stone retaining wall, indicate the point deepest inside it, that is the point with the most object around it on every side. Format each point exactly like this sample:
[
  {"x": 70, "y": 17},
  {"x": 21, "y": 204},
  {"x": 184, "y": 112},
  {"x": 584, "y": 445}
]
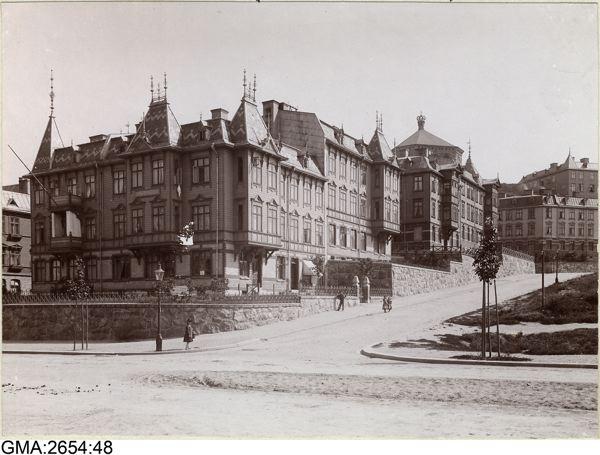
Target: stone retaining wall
[
  {"x": 121, "y": 322},
  {"x": 413, "y": 280},
  {"x": 568, "y": 267}
]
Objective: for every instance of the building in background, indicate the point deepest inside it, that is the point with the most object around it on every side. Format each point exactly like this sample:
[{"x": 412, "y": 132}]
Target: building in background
[
  {"x": 536, "y": 222},
  {"x": 442, "y": 199},
  {"x": 16, "y": 237},
  {"x": 572, "y": 178}
]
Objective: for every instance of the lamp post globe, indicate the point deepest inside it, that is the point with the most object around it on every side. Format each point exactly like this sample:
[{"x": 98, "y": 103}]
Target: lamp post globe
[{"x": 159, "y": 274}]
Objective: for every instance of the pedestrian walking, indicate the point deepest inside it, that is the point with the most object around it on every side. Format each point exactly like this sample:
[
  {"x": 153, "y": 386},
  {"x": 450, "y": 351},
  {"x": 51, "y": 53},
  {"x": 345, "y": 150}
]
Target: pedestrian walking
[
  {"x": 188, "y": 336},
  {"x": 387, "y": 303},
  {"x": 341, "y": 298}
]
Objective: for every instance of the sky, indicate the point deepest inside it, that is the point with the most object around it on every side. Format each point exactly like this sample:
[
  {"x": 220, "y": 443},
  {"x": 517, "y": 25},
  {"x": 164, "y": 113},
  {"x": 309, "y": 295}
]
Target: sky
[{"x": 519, "y": 80}]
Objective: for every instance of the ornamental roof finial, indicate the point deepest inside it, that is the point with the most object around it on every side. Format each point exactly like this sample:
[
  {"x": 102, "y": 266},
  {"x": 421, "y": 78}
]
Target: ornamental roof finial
[
  {"x": 254, "y": 89},
  {"x": 165, "y": 84},
  {"x": 245, "y": 85},
  {"x": 51, "y": 93},
  {"x": 151, "y": 88},
  {"x": 421, "y": 121}
]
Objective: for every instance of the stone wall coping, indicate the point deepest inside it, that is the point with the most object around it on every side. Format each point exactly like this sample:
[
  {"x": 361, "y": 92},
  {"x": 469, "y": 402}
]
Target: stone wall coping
[
  {"x": 423, "y": 269},
  {"x": 163, "y": 306}
]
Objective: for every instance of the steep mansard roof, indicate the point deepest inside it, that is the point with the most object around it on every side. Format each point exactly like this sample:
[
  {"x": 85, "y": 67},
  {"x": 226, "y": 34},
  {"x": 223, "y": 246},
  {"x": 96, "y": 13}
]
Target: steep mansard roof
[
  {"x": 50, "y": 142},
  {"x": 379, "y": 149},
  {"x": 247, "y": 125}
]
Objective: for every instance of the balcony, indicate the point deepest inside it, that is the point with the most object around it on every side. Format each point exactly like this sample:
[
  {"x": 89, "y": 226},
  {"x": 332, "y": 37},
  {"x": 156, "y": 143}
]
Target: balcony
[
  {"x": 64, "y": 202},
  {"x": 152, "y": 239},
  {"x": 386, "y": 226},
  {"x": 260, "y": 239},
  {"x": 65, "y": 244}
]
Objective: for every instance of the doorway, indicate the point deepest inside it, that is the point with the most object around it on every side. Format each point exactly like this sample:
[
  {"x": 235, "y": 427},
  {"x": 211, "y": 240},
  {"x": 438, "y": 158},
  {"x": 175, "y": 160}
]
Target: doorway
[{"x": 294, "y": 274}]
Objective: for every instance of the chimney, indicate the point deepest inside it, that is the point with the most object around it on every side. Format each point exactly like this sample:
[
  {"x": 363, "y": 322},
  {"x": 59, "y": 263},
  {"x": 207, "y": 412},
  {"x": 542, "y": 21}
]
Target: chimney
[
  {"x": 219, "y": 114},
  {"x": 553, "y": 166},
  {"x": 585, "y": 162},
  {"x": 98, "y": 138},
  {"x": 23, "y": 185},
  {"x": 270, "y": 109}
]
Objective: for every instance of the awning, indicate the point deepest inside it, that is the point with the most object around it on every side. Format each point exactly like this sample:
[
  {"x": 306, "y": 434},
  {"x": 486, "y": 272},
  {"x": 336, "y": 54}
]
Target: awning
[{"x": 308, "y": 268}]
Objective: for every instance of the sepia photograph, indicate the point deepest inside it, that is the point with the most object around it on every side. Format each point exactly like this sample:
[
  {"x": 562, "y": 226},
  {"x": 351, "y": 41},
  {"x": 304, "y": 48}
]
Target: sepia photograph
[{"x": 298, "y": 220}]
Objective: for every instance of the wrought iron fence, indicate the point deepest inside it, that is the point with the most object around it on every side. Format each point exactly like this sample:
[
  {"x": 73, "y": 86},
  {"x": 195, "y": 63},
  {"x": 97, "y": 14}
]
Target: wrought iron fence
[
  {"x": 145, "y": 298},
  {"x": 327, "y": 290}
]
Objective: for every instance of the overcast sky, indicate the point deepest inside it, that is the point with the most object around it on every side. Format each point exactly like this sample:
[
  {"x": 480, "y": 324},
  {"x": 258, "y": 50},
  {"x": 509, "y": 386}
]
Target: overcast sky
[{"x": 520, "y": 80}]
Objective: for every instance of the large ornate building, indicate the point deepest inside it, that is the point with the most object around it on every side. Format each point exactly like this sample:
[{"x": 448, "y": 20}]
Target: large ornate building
[{"x": 267, "y": 192}]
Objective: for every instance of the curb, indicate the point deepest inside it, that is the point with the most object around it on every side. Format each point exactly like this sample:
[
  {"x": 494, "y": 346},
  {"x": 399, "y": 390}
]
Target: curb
[
  {"x": 378, "y": 355},
  {"x": 172, "y": 351}
]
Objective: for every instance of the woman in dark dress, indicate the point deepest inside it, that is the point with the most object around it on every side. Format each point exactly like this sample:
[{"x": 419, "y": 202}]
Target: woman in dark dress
[{"x": 188, "y": 336}]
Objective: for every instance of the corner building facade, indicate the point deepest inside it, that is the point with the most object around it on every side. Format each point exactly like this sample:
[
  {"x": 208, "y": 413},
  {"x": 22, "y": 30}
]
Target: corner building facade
[{"x": 266, "y": 193}]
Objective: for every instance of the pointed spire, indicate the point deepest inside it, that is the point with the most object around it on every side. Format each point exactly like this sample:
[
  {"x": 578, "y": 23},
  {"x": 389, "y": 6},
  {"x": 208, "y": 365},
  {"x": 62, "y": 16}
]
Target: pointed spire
[
  {"x": 151, "y": 88},
  {"x": 469, "y": 144},
  {"x": 245, "y": 85},
  {"x": 569, "y": 156},
  {"x": 158, "y": 92},
  {"x": 51, "y": 93},
  {"x": 165, "y": 84}
]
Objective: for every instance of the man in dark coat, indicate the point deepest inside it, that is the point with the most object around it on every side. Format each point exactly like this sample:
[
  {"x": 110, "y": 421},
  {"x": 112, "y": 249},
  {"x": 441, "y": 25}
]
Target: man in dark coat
[
  {"x": 341, "y": 297},
  {"x": 188, "y": 336}
]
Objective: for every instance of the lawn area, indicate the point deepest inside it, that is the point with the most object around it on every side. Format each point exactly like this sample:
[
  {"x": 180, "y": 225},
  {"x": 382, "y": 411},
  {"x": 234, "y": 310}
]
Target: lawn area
[{"x": 574, "y": 301}]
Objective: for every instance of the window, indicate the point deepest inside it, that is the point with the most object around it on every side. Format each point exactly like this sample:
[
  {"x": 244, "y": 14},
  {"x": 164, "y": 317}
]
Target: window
[
  {"x": 280, "y": 266},
  {"x": 548, "y": 213},
  {"x": 417, "y": 208},
  {"x": 396, "y": 212},
  {"x": 573, "y": 187},
  {"x": 257, "y": 217},
  {"x": 306, "y": 237},
  {"x": 561, "y": 228},
  {"x": 432, "y": 208},
  {"x": 353, "y": 172},
  {"x": 580, "y": 230},
  {"x": 518, "y": 230},
  {"x": 519, "y": 214},
  {"x": 319, "y": 233},
  {"x": 571, "y": 214},
  {"x": 462, "y": 212},
  {"x": 319, "y": 196},
  {"x": 90, "y": 228},
  {"x": 332, "y": 234},
  {"x": 343, "y": 162},
  {"x": 54, "y": 187},
  {"x": 509, "y": 231},
  {"x": 343, "y": 201},
  {"x": 118, "y": 182},
  {"x": 137, "y": 175},
  {"x": 307, "y": 193},
  {"x": 363, "y": 207},
  {"x": 343, "y": 236},
  {"x": 590, "y": 230},
  {"x": 353, "y": 242},
  {"x": 272, "y": 219},
  {"x": 158, "y": 172},
  {"x": 571, "y": 230},
  {"x": 201, "y": 263},
  {"x": 363, "y": 174},
  {"x": 590, "y": 215},
  {"x": 531, "y": 229},
  {"x": 592, "y": 188},
  {"x": 363, "y": 241},
  {"x": 55, "y": 270},
  {"x": 387, "y": 212},
  {"x": 418, "y": 183},
  {"x": 90, "y": 186},
  {"x": 387, "y": 180},
  {"x": 201, "y": 171},
  {"x": 331, "y": 202},
  {"x": 294, "y": 189},
  {"x": 201, "y": 217},
  {"x": 294, "y": 228},
  {"x": 158, "y": 219},
  {"x": 72, "y": 185},
  {"x": 331, "y": 162},
  {"x": 272, "y": 177},
  {"x": 377, "y": 179},
  {"x": 353, "y": 204},
  {"x": 561, "y": 214},
  {"x": 122, "y": 269},
  {"x": 13, "y": 225},
  {"x": 580, "y": 215},
  {"x": 40, "y": 232},
  {"x": 282, "y": 225},
  {"x": 39, "y": 271},
  {"x": 137, "y": 220},
  {"x": 549, "y": 229},
  {"x": 119, "y": 225},
  {"x": 244, "y": 265},
  {"x": 91, "y": 268}
]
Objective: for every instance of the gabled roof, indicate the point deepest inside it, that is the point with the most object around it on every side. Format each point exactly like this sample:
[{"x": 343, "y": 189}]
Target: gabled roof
[
  {"x": 379, "y": 149},
  {"x": 247, "y": 125},
  {"x": 50, "y": 142},
  {"x": 295, "y": 159}
]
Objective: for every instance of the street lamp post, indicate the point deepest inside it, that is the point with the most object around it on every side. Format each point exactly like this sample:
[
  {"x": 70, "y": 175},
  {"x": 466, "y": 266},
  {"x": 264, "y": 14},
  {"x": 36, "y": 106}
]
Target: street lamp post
[
  {"x": 543, "y": 290},
  {"x": 556, "y": 267},
  {"x": 159, "y": 273}
]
